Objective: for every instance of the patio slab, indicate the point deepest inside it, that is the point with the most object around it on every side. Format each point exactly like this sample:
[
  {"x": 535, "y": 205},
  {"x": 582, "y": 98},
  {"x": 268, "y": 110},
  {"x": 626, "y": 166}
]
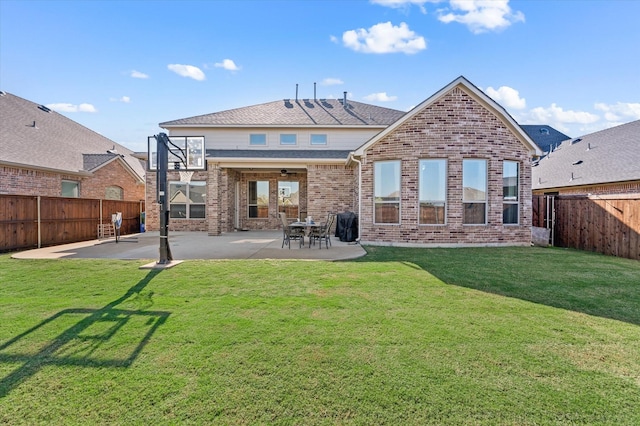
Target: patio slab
[{"x": 197, "y": 245}]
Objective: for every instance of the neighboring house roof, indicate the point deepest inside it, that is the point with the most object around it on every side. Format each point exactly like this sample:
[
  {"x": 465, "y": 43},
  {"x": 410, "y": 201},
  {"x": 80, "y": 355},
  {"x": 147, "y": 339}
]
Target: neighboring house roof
[
  {"x": 546, "y": 137},
  {"x": 476, "y": 94},
  {"x": 607, "y": 156},
  {"x": 34, "y": 136},
  {"x": 295, "y": 113}
]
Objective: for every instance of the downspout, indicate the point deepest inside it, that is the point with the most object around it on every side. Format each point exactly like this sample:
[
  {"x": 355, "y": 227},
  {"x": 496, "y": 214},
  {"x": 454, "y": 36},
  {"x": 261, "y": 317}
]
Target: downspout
[{"x": 359, "y": 193}]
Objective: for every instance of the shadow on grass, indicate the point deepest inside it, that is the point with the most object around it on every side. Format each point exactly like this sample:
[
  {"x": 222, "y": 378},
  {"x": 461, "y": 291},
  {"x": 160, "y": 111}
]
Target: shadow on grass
[
  {"x": 84, "y": 343},
  {"x": 575, "y": 280}
]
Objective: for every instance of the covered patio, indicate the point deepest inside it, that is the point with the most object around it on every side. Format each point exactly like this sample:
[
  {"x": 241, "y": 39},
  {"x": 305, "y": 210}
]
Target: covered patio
[{"x": 197, "y": 245}]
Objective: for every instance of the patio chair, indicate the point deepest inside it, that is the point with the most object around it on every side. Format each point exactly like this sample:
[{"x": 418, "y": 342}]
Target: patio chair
[
  {"x": 289, "y": 233},
  {"x": 323, "y": 232}
]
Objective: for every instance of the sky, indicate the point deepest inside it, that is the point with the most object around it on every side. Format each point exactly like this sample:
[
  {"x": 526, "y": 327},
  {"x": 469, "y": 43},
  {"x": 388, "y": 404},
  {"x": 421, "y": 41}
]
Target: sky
[{"x": 122, "y": 67}]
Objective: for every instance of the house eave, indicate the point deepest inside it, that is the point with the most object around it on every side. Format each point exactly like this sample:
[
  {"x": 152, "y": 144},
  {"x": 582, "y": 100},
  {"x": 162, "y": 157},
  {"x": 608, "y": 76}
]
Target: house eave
[
  {"x": 271, "y": 126},
  {"x": 80, "y": 173},
  {"x": 269, "y": 163}
]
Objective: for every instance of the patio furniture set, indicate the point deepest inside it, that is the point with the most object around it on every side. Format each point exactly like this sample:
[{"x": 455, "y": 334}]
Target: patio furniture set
[{"x": 298, "y": 231}]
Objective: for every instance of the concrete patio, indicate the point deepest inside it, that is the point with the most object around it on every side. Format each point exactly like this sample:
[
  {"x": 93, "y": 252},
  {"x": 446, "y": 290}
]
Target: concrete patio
[{"x": 197, "y": 245}]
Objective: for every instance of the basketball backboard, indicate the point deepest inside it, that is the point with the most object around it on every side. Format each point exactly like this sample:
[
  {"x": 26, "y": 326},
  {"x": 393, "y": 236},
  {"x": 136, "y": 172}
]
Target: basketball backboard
[{"x": 183, "y": 149}]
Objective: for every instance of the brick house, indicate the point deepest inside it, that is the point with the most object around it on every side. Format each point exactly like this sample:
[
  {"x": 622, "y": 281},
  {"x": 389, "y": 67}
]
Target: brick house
[
  {"x": 601, "y": 163},
  {"x": 44, "y": 153},
  {"x": 455, "y": 170}
]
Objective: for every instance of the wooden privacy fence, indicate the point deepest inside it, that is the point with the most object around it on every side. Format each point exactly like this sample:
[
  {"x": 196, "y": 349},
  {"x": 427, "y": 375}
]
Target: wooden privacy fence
[
  {"x": 34, "y": 221},
  {"x": 608, "y": 224}
]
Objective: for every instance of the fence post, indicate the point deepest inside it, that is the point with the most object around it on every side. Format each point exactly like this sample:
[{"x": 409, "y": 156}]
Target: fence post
[{"x": 39, "y": 224}]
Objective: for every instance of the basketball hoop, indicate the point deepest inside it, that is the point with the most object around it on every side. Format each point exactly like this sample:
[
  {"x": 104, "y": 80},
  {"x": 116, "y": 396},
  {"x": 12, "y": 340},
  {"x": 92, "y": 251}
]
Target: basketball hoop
[{"x": 185, "y": 175}]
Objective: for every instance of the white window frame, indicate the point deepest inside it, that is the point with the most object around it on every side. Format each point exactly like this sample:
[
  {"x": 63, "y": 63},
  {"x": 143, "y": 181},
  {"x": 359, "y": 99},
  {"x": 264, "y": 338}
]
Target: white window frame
[
  {"x": 187, "y": 203},
  {"x": 377, "y": 190},
  {"x": 511, "y": 200},
  {"x": 285, "y": 136},
  {"x": 465, "y": 201},
  {"x": 255, "y": 204},
  {"x": 443, "y": 189},
  {"x": 318, "y": 136},
  {"x": 253, "y": 142}
]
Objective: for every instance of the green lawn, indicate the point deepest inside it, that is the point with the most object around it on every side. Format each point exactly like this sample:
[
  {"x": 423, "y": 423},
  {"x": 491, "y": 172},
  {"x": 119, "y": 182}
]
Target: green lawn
[{"x": 511, "y": 336}]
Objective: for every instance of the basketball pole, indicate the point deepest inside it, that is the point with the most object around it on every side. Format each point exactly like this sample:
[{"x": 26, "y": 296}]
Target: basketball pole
[{"x": 163, "y": 197}]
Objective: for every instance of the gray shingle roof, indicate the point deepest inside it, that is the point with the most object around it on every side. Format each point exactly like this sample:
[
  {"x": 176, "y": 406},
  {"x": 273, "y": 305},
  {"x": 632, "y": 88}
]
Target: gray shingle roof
[
  {"x": 279, "y": 153},
  {"x": 546, "y": 137},
  {"x": 303, "y": 112},
  {"x": 610, "y": 155},
  {"x": 32, "y": 135}
]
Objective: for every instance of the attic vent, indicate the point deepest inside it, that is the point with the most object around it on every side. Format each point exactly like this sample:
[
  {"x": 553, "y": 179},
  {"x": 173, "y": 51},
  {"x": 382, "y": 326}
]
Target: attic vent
[
  {"x": 544, "y": 131},
  {"x": 44, "y": 108},
  {"x": 575, "y": 141},
  {"x": 287, "y": 103},
  {"x": 2, "y": 93},
  {"x": 575, "y": 163}
]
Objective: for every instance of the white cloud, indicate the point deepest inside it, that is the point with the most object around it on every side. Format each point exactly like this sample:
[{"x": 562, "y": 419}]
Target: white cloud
[
  {"x": 384, "y": 38},
  {"x": 227, "y": 64},
  {"x": 380, "y": 97},
  {"x": 568, "y": 122},
  {"x": 138, "y": 74},
  {"x": 481, "y": 15},
  {"x": 619, "y": 112},
  {"x": 124, "y": 99},
  {"x": 187, "y": 71},
  {"x": 401, "y": 4},
  {"x": 507, "y": 97},
  {"x": 66, "y": 107},
  {"x": 331, "y": 81}
]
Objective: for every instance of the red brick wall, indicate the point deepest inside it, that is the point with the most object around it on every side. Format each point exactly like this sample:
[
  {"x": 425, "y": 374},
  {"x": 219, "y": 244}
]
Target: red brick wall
[
  {"x": 601, "y": 189},
  {"x": 22, "y": 181},
  {"x": 455, "y": 127},
  {"x": 152, "y": 215},
  {"x": 331, "y": 189},
  {"x": 112, "y": 174}
]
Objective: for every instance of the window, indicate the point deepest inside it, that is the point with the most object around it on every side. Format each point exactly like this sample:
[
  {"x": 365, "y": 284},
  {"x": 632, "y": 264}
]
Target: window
[
  {"x": 257, "y": 139},
  {"x": 387, "y": 192},
  {"x": 288, "y": 198},
  {"x": 288, "y": 139},
  {"x": 114, "y": 193},
  {"x": 474, "y": 192},
  {"x": 318, "y": 139},
  {"x": 70, "y": 188},
  {"x": 187, "y": 200},
  {"x": 433, "y": 192},
  {"x": 258, "y": 201},
  {"x": 510, "y": 205}
]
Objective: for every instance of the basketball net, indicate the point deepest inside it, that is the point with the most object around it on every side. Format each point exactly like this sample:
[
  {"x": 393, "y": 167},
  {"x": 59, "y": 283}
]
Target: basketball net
[{"x": 185, "y": 175}]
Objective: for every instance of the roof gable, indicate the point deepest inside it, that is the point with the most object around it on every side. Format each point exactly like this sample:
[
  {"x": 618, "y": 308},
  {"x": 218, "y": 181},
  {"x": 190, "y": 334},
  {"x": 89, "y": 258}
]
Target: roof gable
[
  {"x": 295, "y": 113},
  {"x": 478, "y": 96},
  {"x": 32, "y": 135},
  {"x": 607, "y": 156}
]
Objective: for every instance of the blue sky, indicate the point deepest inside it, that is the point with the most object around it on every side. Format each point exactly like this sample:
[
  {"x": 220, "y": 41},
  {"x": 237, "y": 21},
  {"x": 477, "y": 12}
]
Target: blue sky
[{"x": 122, "y": 67}]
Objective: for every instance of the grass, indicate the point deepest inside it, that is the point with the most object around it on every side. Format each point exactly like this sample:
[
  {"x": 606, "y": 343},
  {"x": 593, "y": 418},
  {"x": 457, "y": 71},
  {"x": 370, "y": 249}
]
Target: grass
[{"x": 522, "y": 336}]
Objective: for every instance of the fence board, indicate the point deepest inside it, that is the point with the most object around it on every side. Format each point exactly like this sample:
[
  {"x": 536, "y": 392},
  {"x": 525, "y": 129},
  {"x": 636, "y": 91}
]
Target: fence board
[
  {"x": 62, "y": 220},
  {"x": 603, "y": 224}
]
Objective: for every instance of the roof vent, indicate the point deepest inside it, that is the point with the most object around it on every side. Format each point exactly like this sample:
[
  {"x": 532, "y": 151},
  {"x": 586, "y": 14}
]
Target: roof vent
[
  {"x": 44, "y": 108},
  {"x": 588, "y": 146},
  {"x": 575, "y": 141},
  {"x": 575, "y": 163},
  {"x": 544, "y": 131},
  {"x": 2, "y": 93}
]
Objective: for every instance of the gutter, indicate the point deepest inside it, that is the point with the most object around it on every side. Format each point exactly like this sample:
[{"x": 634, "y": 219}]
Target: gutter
[{"x": 353, "y": 158}]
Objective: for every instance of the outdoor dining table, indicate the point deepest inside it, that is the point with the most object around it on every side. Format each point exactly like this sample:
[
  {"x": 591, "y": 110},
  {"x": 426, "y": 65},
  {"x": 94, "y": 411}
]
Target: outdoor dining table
[{"x": 308, "y": 226}]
